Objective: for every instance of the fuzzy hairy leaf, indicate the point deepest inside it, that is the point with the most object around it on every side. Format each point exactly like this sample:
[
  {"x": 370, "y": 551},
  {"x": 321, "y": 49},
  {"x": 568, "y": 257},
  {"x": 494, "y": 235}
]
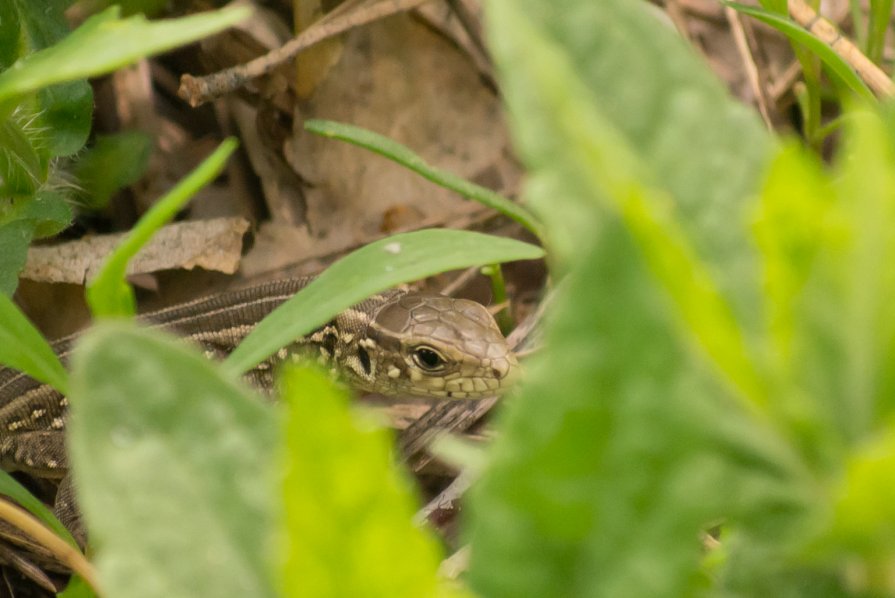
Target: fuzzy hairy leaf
[{"x": 175, "y": 481}]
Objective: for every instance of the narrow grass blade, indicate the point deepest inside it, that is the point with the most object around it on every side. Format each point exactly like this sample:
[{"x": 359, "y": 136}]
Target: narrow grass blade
[
  {"x": 23, "y": 347},
  {"x": 109, "y": 294},
  {"x": 404, "y": 156}
]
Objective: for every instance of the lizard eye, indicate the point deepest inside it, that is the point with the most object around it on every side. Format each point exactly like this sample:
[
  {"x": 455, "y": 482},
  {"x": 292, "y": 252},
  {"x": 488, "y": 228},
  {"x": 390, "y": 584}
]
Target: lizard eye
[{"x": 428, "y": 359}]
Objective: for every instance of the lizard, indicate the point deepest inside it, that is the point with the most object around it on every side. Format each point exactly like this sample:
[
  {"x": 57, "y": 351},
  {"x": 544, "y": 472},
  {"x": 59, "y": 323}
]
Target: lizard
[{"x": 395, "y": 343}]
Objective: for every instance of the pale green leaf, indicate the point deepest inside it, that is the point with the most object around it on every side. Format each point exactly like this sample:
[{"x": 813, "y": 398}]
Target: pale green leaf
[{"x": 173, "y": 466}]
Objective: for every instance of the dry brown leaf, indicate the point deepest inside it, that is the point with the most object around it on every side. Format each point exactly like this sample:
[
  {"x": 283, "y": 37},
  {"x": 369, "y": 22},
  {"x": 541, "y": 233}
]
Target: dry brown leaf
[{"x": 210, "y": 244}]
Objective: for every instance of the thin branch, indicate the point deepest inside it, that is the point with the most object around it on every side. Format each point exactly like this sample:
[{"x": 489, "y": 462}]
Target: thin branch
[
  {"x": 199, "y": 90},
  {"x": 827, "y": 32},
  {"x": 742, "y": 45}
]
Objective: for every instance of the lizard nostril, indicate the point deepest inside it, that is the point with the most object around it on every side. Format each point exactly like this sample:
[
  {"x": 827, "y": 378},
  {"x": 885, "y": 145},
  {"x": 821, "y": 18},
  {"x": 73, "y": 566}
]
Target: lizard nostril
[{"x": 497, "y": 373}]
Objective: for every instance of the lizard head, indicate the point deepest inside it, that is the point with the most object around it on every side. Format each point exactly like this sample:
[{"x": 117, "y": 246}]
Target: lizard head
[{"x": 429, "y": 345}]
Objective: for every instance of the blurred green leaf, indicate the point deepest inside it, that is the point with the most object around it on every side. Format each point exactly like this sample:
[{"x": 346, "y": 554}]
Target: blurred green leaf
[
  {"x": 22, "y": 347},
  {"x": 827, "y": 249},
  {"x": 76, "y": 588},
  {"x": 619, "y": 427},
  {"x": 776, "y": 6},
  {"x": 864, "y": 516},
  {"x": 616, "y": 49},
  {"x": 42, "y": 23},
  {"x": 857, "y": 312},
  {"x": 9, "y": 35},
  {"x": 794, "y": 221},
  {"x": 877, "y": 25},
  {"x": 827, "y": 246},
  {"x": 635, "y": 406},
  {"x": 597, "y": 158},
  {"x": 113, "y": 162},
  {"x": 175, "y": 481},
  {"x": 109, "y": 294},
  {"x": 349, "y": 512},
  {"x": 376, "y": 267}
]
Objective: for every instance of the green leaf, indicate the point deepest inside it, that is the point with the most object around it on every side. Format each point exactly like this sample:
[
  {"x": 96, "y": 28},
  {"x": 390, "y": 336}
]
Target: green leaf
[
  {"x": 348, "y": 510},
  {"x": 63, "y": 111},
  {"x": 864, "y": 515},
  {"x": 77, "y": 588},
  {"x": 22, "y": 347},
  {"x": 614, "y": 49},
  {"x": 43, "y": 214},
  {"x": 837, "y": 65},
  {"x": 795, "y": 221},
  {"x": 10, "y": 28},
  {"x": 376, "y": 267},
  {"x": 114, "y": 162},
  {"x": 861, "y": 535},
  {"x": 605, "y": 163},
  {"x": 861, "y": 280},
  {"x": 66, "y": 116},
  {"x": 104, "y": 43},
  {"x": 50, "y": 212},
  {"x": 42, "y": 23},
  {"x": 827, "y": 249},
  {"x": 24, "y": 160},
  {"x": 776, "y": 6},
  {"x": 175, "y": 481},
  {"x": 109, "y": 294},
  {"x": 47, "y": 211},
  {"x": 635, "y": 406},
  {"x": 403, "y": 155},
  {"x": 616, "y": 429},
  {"x": 14, "y": 490},
  {"x": 14, "y": 239}
]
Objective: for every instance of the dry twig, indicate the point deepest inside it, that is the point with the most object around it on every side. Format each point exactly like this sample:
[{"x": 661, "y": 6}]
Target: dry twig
[
  {"x": 742, "y": 44},
  {"x": 60, "y": 549},
  {"x": 199, "y": 90},
  {"x": 827, "y": 32}
]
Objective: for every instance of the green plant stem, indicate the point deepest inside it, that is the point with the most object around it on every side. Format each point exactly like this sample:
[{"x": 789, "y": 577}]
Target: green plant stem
[
  {"x": 857, "y": 19},
  {"x": 499, "y": 293},
  {"x": 877, "y": 24},
  {"x": 831, "y": 127}
]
